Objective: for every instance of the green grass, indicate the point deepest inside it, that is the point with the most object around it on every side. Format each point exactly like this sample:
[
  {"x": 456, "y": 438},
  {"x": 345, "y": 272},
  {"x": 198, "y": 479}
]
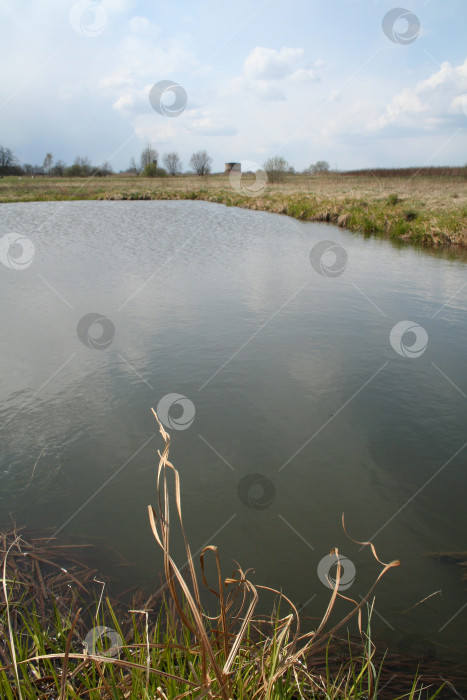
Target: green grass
[{"x": 166, "y": 660}]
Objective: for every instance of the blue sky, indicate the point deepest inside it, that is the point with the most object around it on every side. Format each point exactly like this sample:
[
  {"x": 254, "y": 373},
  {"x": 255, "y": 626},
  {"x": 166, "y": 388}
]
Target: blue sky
[{"x": 305, "y": 79}]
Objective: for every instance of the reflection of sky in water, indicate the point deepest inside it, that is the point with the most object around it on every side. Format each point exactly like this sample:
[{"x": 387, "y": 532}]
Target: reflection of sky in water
[{"x": 317, "y": 388}]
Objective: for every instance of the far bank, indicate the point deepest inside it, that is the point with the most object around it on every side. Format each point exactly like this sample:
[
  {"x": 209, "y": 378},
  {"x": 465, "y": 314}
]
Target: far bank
[{"x": 409, "y": 206}]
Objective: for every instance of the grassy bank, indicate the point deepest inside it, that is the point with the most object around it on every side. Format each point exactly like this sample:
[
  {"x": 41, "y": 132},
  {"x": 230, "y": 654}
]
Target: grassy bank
[
  {"x": 427, "y": 207},
  {"x": 58, "y": 642}
]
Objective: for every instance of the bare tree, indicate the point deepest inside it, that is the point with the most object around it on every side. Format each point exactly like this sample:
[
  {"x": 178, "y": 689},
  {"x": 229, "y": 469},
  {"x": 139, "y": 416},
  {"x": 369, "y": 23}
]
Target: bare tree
[
  {"x": 148, "y": 155},
  {"x": 133, "y": 167},
  {"x": 58, "y": 169},
  {"x": 7, "y": 160},
  {"x": 201, "y": 163},
  {"x": 103, "y": 170},
  {"x": 29, "y": 169},
  {"x": 172, "y": 163},
  {"x": 321, "y": 166},
  {"x": 85, "y": 165},
  {"x": 276, "y": 168},
  {"x": 48, "y": 160},
  {"x": 82, "y": 167}
]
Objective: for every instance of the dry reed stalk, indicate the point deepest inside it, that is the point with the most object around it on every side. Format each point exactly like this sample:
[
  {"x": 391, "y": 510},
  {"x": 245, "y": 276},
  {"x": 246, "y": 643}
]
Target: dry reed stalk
[{"x": 292, "y": 647}]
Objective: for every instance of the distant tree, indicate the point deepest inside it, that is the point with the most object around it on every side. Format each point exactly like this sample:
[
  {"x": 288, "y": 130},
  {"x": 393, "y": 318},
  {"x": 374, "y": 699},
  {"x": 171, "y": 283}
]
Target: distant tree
[
  {"x": 103, "y": 170},
  {"x": 276, "y": 168},
  {"x": 172, "y": 163},
  {"x": 201, "y": 163},
  {"x": 85, "y": 165},
  {"x": 81, "y": 168},
  {"x": 148, "y": 155},
  {"x": 37, "y": 170},
  {"x": 153, "y": 170},
  {"x": 321, "y": 166},
  {"x": 48, "y": 160},
  {"x": 28, "y": 169},
  {"x": 133, "y": 167},
  {"x": 73, "y": 171},
  {"x": 8, "y": 161},
  {"x": 58, "y": 169}
]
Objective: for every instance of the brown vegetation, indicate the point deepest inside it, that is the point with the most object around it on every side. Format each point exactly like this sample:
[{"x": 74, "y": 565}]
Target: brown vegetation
[{"x": 427, "y": 206}]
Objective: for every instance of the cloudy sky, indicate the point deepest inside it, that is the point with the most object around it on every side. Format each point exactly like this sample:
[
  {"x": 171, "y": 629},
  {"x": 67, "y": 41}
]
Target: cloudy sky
[{"x": 304, "y": 79}]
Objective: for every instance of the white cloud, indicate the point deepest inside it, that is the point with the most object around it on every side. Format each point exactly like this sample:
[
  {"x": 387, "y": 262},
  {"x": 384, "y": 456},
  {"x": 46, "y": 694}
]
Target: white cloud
[
  {"x": 304, "y": 75},
  {"x": 118, "y": 5},
  {"x": 140, "y": 62},
  {"x": 161, "y": 132},
  {"x": 267, "y": 72},
  {"x": 335, "y": 96},
  {"x": 208, "y": 124},
  {"x": 143, "y": 26},
  {"x": 270, "y": 64},
  {"x": 433, "y": 103},
  {"x": 262, "y": 89}
]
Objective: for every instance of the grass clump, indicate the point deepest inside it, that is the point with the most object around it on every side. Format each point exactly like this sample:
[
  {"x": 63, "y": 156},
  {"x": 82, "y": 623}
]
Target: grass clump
[
  {"x": 399, "y": 229},
  {"x": 57, "y": 643}
]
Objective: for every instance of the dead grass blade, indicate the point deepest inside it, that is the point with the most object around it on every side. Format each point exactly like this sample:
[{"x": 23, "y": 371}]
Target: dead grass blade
[
  {"x": 10, "y": 628},
  {"x": 63, "y": 682},
  {"x": 284, "y": 649}
]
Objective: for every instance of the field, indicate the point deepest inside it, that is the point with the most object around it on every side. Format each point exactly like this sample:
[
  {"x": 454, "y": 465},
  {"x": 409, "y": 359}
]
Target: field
[{"x": 426, "y": 206}]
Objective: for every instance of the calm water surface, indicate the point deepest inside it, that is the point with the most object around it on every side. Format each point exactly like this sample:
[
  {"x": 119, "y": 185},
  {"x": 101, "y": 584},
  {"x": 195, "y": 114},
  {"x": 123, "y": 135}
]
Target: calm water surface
[{"x": 291, "y": 375}]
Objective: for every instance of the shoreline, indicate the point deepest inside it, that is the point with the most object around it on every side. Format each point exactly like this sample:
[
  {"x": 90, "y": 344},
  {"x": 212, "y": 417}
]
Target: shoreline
[{"x": 424, "y": 211}]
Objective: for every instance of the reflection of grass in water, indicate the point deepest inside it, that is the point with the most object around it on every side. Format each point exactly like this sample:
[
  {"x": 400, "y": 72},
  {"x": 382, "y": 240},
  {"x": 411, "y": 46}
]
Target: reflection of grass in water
[
  {"x": 458, "y": 558},
  {"x": 42, "y": 480},
  {"x": 426, "y": 207},
  {"x": 166, "y": 646}
]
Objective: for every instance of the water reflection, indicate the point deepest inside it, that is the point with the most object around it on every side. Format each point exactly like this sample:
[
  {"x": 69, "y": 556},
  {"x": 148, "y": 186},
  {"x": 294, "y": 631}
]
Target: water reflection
[{"x": 292, "y": 377}]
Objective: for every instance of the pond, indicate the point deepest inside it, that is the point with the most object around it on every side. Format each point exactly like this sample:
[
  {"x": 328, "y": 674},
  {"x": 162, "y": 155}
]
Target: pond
[{"x": 304, "y": 372}]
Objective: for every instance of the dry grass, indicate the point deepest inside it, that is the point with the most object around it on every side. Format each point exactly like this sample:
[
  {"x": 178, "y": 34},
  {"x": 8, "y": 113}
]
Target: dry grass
[
  {"x": 447, "y": 192},
  {"x": 286, "y": 650},
  {"x": 426, "y": 207}
]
